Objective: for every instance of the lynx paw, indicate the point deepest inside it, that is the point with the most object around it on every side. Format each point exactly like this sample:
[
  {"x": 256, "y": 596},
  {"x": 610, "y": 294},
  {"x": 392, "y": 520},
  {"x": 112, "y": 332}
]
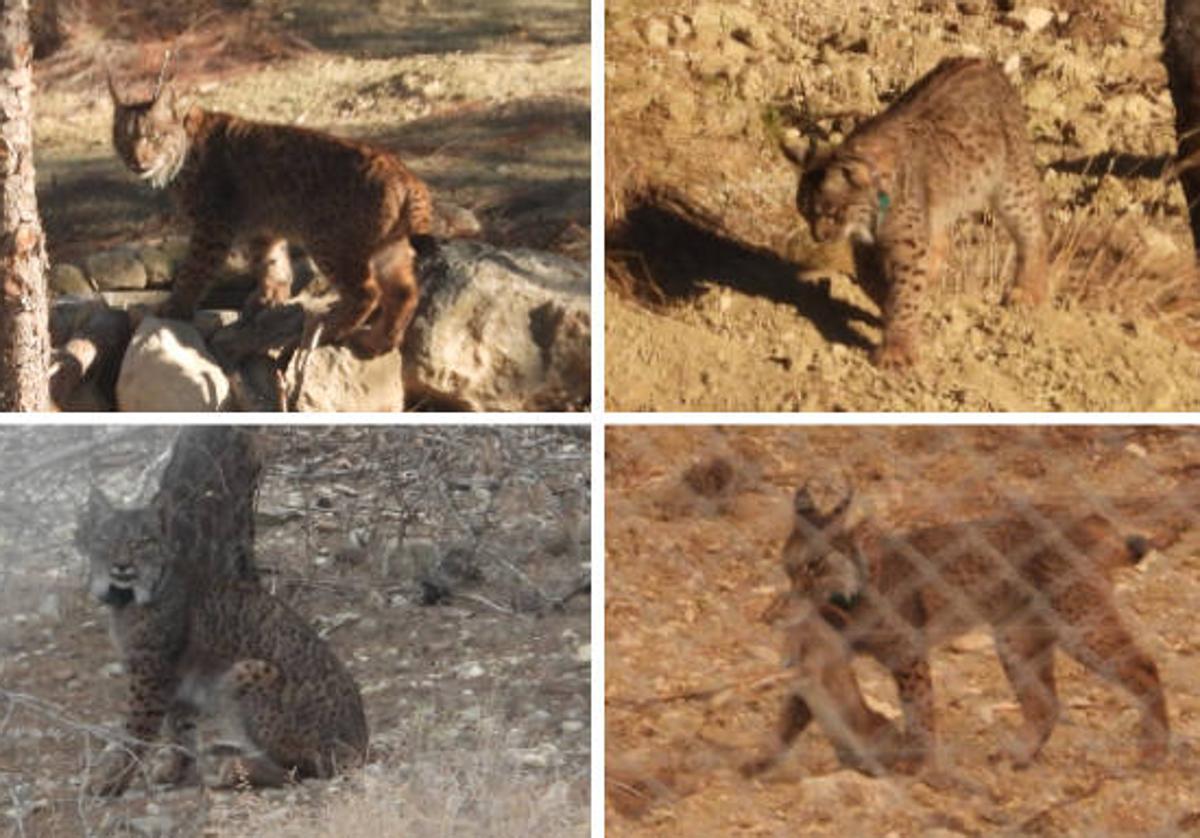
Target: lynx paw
[
  {"x": 111, "y": 773},
  {"x": 894, "y": 354},
  {"x": 171, "y": 767}
]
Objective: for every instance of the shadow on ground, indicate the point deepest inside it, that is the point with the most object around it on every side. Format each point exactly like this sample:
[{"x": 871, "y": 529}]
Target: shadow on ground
[{"x": 669, "y": 250}]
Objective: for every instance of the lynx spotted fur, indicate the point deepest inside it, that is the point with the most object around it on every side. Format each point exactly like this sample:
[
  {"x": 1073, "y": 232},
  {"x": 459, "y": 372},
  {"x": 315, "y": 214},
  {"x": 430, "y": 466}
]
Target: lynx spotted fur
[
  {"x": 955, "y": 143},
  {"x": 354, "y": 208},
  {"x": 1039, "y": 580},
  {"x": 226, "y": 650}
]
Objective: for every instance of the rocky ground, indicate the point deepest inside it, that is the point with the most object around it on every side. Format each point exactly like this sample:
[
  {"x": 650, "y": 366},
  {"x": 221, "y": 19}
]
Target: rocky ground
[
  {"x": 718, "y": 300},
  {"x": 692, "y": 564},
  {"x": 478, "y": 705}
]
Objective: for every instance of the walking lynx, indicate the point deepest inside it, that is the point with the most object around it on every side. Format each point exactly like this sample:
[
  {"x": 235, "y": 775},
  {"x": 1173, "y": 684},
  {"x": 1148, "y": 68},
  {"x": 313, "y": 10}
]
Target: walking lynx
[
  {"x": 1039, "y": 580},
  {"x": 201, "y": 647},
  {"x": 955, "y": 143},
  {"x": 354, "y": 208}
]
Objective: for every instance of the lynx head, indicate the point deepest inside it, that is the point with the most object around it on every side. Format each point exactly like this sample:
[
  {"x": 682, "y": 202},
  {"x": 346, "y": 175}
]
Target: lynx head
[
  {"x": 150, "y": 136},
  {"x": 819, "y": 556},
  {"x": 840, "y": 197},
  {"x": 125, "y": 550}
]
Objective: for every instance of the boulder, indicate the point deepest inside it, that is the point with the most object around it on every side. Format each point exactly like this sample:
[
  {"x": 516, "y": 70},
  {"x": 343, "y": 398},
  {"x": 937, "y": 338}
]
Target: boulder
[
  {"x": 69, "y": 279},
  {"x": 168, "y": 368},
  {"x": 118, "y": 269},
  {"x": 502, "y": 330},
  {"x": 333, "y": 379}
]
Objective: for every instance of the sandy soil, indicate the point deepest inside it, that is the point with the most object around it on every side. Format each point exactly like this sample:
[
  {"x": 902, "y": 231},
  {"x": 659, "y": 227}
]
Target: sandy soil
[
  {"x": 717, "y": 298},
  {"x": 478, "y": 707},
  {"x": 692, "y": 567}
]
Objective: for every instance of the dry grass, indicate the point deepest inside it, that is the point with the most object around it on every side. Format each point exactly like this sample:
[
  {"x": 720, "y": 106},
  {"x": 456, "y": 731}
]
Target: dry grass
[{"x": 429, "y": 792}]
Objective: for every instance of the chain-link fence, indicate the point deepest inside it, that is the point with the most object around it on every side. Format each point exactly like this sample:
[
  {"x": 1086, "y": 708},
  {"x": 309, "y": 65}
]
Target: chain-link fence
[{"x": 975, "y": 629}]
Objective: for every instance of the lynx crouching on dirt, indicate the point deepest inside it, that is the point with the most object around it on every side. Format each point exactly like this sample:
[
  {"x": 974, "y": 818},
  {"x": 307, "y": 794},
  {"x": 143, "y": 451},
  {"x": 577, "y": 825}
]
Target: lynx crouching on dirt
[
  {"x": 354, "y": 208},
  {"x": 953, "y": 144},
  {"x": 1040, "y": 581},
  {"x": 227, "y": 650}
]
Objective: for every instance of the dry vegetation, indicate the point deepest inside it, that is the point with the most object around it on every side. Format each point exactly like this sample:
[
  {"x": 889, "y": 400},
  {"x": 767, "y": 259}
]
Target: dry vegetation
[
  {"x": 693, "y": 670},
  {"x": 446, "y": 567},
  {"x": 714, "y": 260}
]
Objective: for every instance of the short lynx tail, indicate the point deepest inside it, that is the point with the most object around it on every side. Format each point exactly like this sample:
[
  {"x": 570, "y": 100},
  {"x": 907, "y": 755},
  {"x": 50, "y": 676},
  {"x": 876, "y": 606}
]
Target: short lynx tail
[{"x": 420, "y": 213}]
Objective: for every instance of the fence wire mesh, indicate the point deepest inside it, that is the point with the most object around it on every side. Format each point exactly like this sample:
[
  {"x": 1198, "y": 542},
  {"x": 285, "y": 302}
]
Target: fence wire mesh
[{"x": 864, "y": 630}]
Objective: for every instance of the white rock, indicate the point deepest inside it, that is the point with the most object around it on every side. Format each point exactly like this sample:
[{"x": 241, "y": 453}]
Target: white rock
[
  {"x": 168, "y": 368},
  {"x": 1034, "y": 18},
  {"x": 337, "y": 380}
]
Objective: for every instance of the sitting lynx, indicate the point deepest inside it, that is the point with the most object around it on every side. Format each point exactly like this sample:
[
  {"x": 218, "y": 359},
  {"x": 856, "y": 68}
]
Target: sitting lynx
[
  {"x": 955, "y": 143},
  {"x": 231, "y": 651},
  {"x": 1040, "y": 580},
  {"x": 354, "y": 208}
]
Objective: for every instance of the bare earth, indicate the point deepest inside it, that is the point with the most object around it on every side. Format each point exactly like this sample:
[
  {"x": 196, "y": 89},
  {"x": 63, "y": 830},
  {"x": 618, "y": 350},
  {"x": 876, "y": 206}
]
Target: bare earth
[
  {"x": 690, "y": 692},
  {"x": 718, "y": 300}
]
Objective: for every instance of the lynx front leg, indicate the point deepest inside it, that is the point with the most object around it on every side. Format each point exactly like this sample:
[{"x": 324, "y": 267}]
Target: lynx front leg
[
  {"x": 206, "y": 254},
  {"x": 796, "y": 717},
  {"x": 273, "y": 269},
  {"x": 149, "y": 688},
  {"x": 915, "y": 687},
  {"x": 173, "y": 765},
  {"x": 358, "y": 297},
  {"x": 909, "y": 257}
]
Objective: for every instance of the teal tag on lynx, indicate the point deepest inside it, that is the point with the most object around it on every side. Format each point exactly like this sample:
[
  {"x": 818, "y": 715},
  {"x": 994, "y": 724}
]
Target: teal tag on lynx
[{"x": 884, "y": 201}]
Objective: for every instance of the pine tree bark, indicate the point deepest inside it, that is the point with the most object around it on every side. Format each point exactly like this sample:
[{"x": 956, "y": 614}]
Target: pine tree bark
[
  {"x": 206, "y": 500},
  {"x": 1181, "y": 54},
  {"x": 24, "y": 312}
]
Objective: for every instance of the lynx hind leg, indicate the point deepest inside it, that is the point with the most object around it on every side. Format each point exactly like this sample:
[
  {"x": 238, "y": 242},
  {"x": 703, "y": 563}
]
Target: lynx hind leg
[
  {"x": 1027, "y": 654},
  {"x": 358, "y": 297},
  {"x": 1094, "y": 635},
  {"x": 255, "y": 722},
  {"x": 1018, "y": 205},
  {"x": 392, "y": 267},
  {"x": 272, "y": 268}
]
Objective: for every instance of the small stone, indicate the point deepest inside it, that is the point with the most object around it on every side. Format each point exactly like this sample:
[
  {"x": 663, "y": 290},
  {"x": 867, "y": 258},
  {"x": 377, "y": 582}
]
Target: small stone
[
  {"x": 69, "y": 279},
  {"x": 972, "y": 7},
  {"x": 116, "y": 270},
  {"x": 157, "y": 263},
  {"x": 1034, "y": 19},
  {"x": 657, "y": 33}
]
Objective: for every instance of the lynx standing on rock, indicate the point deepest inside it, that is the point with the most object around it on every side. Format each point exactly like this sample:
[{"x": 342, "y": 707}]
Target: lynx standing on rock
[
  {"x": 954, "y": 143},
  {"x": 354, "y": 208},
  {"x": 1040, "y": 581},
  {"x": 198, "y": 647}
]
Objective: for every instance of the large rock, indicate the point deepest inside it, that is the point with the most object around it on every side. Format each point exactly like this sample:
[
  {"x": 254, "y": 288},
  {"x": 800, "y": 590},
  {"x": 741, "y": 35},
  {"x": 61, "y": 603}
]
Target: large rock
[
  {"x": 335, "y": 380},
  {"x": 503, "y": 330},
  {"x": 168, "y": 368},
  {"x": 118, "y": 269}
]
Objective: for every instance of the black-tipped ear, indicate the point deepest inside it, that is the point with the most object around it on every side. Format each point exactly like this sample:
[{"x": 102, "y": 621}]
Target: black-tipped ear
[
  {"x": 112, "y": 90},
  {"x": 802, "y": 503},
  {"x": 844, "y": 504}
]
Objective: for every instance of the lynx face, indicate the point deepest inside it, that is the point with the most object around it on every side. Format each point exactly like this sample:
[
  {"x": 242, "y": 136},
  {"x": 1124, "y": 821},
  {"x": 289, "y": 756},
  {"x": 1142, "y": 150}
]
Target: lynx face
[
  {"x": 838, "y": 200},
  {"x": 150, "y": 138},
  {"x": 124, "y": 550},
  {"x": 821, "y": 563}
]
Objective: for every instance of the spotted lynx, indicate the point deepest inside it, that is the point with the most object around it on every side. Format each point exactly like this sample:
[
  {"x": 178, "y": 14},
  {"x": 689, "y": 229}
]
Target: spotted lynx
[
  {"x": 1039, "y": 580},
  {"x": 354, "y": 208},
  {"x": 955, "y": 143},
  {"x": 228, "y": 651}
]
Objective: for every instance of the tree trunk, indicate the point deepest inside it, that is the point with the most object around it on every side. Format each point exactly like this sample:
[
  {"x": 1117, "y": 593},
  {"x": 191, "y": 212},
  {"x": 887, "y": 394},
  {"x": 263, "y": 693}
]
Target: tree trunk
[
  {"x": 1181, "y": 54},
  {"x": 207, "y": 501},
  {"x": 24, "y": 317}
]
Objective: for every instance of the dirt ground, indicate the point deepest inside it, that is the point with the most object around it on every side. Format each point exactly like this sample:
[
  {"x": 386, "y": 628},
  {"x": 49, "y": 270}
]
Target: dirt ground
[
  {"x": 717, "y": 299},
  {"x": 478, "y": 706},
  {"x": 690, "y": 693},
  {"x": 489, "y": 103}
]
